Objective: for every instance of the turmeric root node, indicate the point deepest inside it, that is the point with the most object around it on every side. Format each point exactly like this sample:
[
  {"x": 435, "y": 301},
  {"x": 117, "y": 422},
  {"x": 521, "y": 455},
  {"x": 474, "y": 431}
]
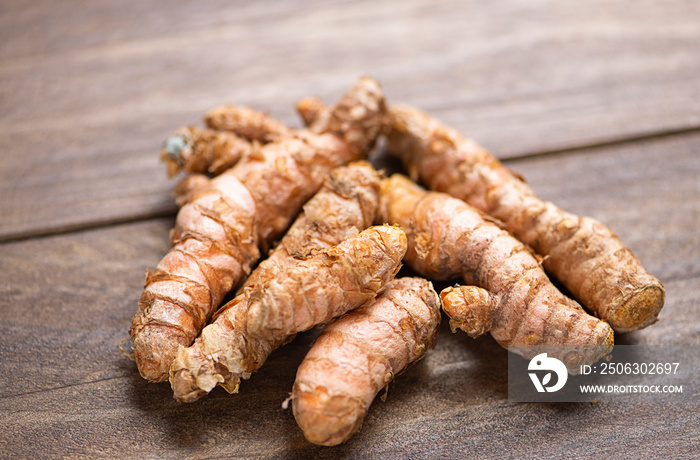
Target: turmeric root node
[
  {"x": 470, "y": 308},
  {"x": 313, "y": 113},
  {"x": 358, "y": 355},
  {"x": 246, "y": 122},
  {"x": 195, "y": 150},
  {"x": 585, "y": 255}
]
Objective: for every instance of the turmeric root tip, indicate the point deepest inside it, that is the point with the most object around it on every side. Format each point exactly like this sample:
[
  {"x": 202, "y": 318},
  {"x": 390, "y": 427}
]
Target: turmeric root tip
[{"x": 469, "y": 308}]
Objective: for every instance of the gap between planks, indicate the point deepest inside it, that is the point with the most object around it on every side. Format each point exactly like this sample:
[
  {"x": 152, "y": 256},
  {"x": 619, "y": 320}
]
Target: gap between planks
[
  {"x": 658, "y": 135},
  {"x": 172, "y": 211}
]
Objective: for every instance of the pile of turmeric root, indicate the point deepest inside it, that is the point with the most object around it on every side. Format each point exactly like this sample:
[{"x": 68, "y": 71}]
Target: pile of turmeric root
[{"x": 333, "y": 233}]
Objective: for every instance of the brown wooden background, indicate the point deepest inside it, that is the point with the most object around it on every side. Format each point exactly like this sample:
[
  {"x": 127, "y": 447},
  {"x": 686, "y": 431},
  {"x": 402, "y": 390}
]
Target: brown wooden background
[{"x": 596, "y": 103}]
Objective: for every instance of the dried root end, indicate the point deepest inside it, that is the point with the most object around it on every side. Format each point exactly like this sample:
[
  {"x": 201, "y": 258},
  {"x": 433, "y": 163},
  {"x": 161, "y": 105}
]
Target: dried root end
[
  {"x": 175, "y": 151},
  {"x": 231, "y": 385},
  {"x": 640, "y": 310},
  {"x": 123, "y": 351},
  {"x": 154, "y": 350},
  {"x": 469, "y": 309},
  {"x": 185, "y": 386},
  {"x": 325, "y": 419},
  {"x": 193, "y": 375}
]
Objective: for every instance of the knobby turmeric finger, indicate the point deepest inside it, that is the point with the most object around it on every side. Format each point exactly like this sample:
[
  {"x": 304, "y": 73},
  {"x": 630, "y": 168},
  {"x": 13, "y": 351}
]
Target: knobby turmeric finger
[
  {"x": 313, "y": 113},
  {"x": 359, "y": 354},
  {"x": 196, "y": 150},
  {"x": 470, "y": 308},
  {"x": 447, "y": 238},
  {"x": 232, "y": 132},
  {"x": 585, "y": 255},
  {"x": 312, "y": 291},
  {"x": 246, "y": 122},
  {"x": 345, "y": 205},
  {"x": 220, "y": 232}
]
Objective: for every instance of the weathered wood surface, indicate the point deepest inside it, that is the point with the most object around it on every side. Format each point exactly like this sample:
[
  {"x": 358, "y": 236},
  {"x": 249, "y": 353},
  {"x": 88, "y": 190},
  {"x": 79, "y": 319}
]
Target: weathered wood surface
[{"x": 89, "y": 90}]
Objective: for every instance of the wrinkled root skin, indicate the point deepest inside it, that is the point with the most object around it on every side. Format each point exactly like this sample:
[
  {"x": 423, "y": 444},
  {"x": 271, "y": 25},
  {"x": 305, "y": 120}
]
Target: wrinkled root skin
[
  {"x": 153, "y": 350},
  {"x": 185, "y": 385},
  {"x": 587, "y": 339},
  {"x": 221, "y": 232},
  {"x": 358, "y": 355},
  {"x": 585, "y": 255},
  {"x": 204, "y": 151},
  {"x": 246, "y": 122},
  {"x": 470, "y": 309},
  {"x": 327, "y": 285},
  {"x": 449, "y": 239},
  {"x": 225, "y": 353},
  {"x": 310, "y": 292},
  {"x": 213, "y": 250}
]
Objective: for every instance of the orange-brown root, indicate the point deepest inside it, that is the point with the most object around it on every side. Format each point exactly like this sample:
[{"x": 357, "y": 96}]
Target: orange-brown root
[
  {"x": 219, "y": 233},
  {"x": 585, "y": 255},
  {"x": 314, "y": 113},
  {"x": 345, "y": 205},
  {"x": 327, "y": 285},
  {"x": 358, "y": 355},
  {"x": 195, "y": 150},
  {"x": 246, "y": 122},
  {"x": 448, "y": 239},
  {"x": 469, "y": 308},
  {"x": 300, "y": 296}
]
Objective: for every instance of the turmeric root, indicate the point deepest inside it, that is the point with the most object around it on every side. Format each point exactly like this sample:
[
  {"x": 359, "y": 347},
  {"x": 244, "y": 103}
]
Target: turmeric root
[
  {"x": 470, "y": 309},
  {"x": 247, "y": 123},
  {"x": 447, "y": 239},
  {"x": 196, "y": 150},
  {"x": 233, "y": 131},
  {"x": 346, "y": 204},
  {"x": 359, "y": 354},
  {"x": 290, "y": 299},
  {"x": 313, "y": 113},
  {"x": 334, "y": 282},
  {"x": 220, "y": 232},
  {"x": 585, "y": 255}
]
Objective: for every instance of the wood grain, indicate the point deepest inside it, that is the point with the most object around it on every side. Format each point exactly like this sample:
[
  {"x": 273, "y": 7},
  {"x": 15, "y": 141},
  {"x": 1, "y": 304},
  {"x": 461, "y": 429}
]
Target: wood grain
[
  {"x": 66, "y": 302},
  {"x": 597, "y": 104},
  {"x": 89, "y": 92}
]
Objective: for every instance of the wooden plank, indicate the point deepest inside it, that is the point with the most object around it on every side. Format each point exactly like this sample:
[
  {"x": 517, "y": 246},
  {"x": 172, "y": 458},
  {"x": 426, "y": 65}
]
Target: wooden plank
[
  {"x": 42, "y": 27},
  {"x": 66, "y": 302},
  {"x": 425, "y": 415},
  {"x": 84, "y": 178},
  {"x": 455, "y": 400},
  {"x": 545, "y": 58},
  {"x": 98, "y": 89},
  {"x": 78, "y": 396}
]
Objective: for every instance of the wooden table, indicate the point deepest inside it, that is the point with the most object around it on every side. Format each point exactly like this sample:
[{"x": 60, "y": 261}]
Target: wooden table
[{"x": 596, "y": 103}]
